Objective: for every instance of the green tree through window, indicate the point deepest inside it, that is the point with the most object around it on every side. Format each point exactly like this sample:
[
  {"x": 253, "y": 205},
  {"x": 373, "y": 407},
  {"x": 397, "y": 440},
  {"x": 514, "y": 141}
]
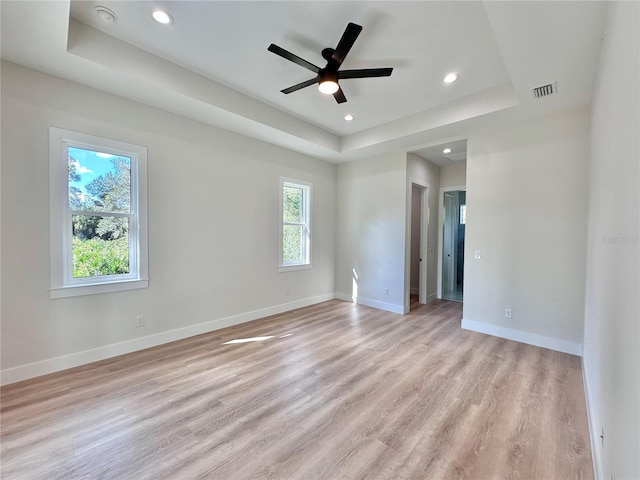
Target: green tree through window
[
  {"x": 100, "y": 206},
  {"x": 295, "y": 234}
]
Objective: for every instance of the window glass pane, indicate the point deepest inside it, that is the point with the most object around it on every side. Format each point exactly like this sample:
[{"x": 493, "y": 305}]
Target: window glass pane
[
  {"x": 292, "y": 204},
  {"x": 100, "y": 246},
  {"x": 99, "y": 182},
  {"x": 292, "y": 244}
]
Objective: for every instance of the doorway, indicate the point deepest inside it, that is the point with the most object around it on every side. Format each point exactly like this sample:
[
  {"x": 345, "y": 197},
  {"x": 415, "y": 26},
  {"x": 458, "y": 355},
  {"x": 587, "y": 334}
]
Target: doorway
[
  {"x": 453, "y": 237},
  {"x": 418, "y": 247}
]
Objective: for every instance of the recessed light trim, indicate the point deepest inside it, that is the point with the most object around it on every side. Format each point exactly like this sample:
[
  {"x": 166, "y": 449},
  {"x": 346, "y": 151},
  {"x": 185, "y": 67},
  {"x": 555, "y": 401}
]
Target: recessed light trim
[
  {"x": 446, "y": 150},
  {"x": 162, "y": 17},
  {"x": 348, "y": 117},
  {"x": 450, "y": 78}
]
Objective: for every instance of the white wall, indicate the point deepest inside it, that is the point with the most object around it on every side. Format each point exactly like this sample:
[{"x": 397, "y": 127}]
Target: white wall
[
  {"x": 371, "y": 226},
  {"x": 526, "y": 213},
  {"x": 213, "y": 219},
  {"x": 612, "y": 308},
  {"x": 453, "y": 175},
  {"x": 425, "y": 173}
]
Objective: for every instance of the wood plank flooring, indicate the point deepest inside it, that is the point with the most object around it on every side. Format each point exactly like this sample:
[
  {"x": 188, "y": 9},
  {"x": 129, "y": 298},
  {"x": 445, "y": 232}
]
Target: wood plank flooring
[{"x": 337, "y": 391}]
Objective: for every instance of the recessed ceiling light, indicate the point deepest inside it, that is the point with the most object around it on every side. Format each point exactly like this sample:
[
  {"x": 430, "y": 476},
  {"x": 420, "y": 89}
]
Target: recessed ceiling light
[
  {"x": 348, "y": 117},
  {"x": 450, "y": 78},
  {"x": 446, "y": 150},
  {"x": 162, "y": 17},
  {"x": 106, "y": 15}
]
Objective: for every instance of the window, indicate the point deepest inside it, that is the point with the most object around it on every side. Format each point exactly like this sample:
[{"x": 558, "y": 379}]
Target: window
[
  {"x": 295, "y": 229},
  {"x": 463, "y": 214},
  {"x": 98, "y": 214}
]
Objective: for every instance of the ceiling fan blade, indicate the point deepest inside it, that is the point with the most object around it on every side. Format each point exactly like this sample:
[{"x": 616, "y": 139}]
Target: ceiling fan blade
[
  {"x": 300, "y": 86},
  {"x": 346, "y": 42},
  {"x": 339, "y": 96},
  {"x": 293, "y": 58},
  {"x": 365, "y": 72}
]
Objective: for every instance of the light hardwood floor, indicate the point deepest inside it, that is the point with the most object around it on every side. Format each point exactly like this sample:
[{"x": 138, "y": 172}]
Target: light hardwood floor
[{"x": 339, "y": 391}]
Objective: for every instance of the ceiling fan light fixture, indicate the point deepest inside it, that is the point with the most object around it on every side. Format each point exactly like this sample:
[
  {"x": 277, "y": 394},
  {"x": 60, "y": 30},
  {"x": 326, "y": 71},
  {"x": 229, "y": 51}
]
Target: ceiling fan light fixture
[
  {"x": 162, "y": 17},
  {"x": 328, "y": 87},
  {"x": 328, "y": 82},
  {"x": 327, "y": 77}
]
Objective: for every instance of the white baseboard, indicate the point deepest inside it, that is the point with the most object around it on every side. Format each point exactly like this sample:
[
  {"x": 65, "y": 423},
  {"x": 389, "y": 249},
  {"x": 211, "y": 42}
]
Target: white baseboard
[
  {"x": 594, "y": 433},
  {"x": 430, "y": 297},
  {"x": 344, "y": 297},
  {"x": 389, "y": 307},
  {"x": 557, "y": 344},
  {"x": 36, "y": 369}
]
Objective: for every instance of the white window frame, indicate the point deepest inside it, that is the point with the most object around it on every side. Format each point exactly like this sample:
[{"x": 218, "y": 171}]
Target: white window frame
[
  {"x": 307, "y": 189},
  {"x": 62, "y": 282}
]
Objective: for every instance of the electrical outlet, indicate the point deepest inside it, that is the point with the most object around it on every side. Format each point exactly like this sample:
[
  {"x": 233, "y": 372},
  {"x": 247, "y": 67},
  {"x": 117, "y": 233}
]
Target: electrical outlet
[
  {"x": 386, "y": 291},
  {"x": 507, "y": 313},
  {"x": 476, "y": 254},
  {"x": 140, "y": 321}
]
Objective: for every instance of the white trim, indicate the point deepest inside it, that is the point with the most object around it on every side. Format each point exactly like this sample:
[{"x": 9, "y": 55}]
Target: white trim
[
  {"x": 116, "y": 286},
  {"x": 307, "y": 188},
  {"x": 594, "y": 433},
  {"x": 430, "y": 297},
  {"x": 31, "y": 370},
  {"x": 424, "y": 240},
  {"x": 62, "y": 283},
  {"x": 424, "y": 244},
  {"x": 556, "y": 344},
  {"x": 293, "y": 268},
  {"x": 389, "y": 307}
]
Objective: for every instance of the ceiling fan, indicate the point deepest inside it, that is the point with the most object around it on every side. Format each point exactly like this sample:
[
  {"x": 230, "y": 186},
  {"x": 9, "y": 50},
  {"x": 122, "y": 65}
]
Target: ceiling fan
[{"x": 327, "y": 77}]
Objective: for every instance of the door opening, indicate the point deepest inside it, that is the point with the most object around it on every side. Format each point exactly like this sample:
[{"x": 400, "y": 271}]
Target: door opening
[
  {"x": 419, "y": 224},
  {"x": 453, "y": 233}
]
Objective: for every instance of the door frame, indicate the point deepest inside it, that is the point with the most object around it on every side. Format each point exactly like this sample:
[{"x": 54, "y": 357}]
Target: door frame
[
  {"x": 424, "y": 253},
  {"x": 449, "y": 241},
  {"x": 424, "y": 243},
  {"x": 441, "y": 221}
]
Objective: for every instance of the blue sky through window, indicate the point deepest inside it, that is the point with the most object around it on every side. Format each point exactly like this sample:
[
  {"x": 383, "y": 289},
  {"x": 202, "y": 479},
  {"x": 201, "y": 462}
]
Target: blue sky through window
[{"x": 89, "y": 165}]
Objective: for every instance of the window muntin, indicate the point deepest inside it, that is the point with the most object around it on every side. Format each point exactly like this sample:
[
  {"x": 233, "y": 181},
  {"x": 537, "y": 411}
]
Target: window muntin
[
  {"x": 295, "y": 231},
  {"x": 98, "y": 214}
]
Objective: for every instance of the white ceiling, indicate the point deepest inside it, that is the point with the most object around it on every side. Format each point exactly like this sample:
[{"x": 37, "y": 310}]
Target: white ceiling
[
  {"x": 212, "y": 64},
  {"x": 435, "y": 154}
]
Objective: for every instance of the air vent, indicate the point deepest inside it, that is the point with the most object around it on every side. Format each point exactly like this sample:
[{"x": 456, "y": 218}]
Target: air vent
[
  {"x": 545, "y": 90},
  {"x": 456, "y": 157}
]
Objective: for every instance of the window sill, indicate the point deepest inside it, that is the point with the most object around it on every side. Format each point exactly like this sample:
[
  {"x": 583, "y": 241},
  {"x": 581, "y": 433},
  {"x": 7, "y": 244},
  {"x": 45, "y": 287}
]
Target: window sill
[
  {"x": 292, "y": 268},
  {"x": 76, "y": 291}
]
